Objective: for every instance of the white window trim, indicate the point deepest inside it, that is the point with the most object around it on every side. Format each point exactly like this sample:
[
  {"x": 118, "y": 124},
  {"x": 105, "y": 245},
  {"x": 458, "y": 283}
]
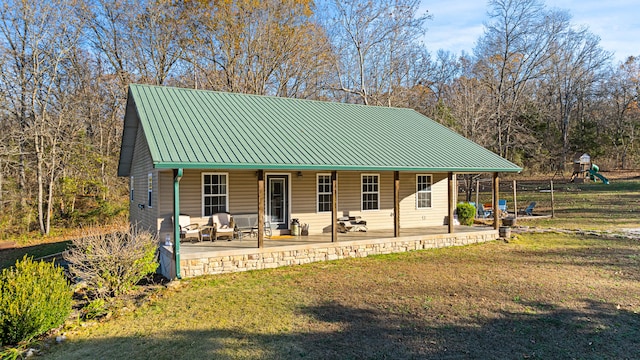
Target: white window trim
[
  {"x": 430, "y": 191},
  {"x": 362, "y": 192},
  {"x": 132, "y": 183},
  {"x": 150, "y": 190},
  {"x": 226, "y": 184},
  {"x": 318, "y": 192}
]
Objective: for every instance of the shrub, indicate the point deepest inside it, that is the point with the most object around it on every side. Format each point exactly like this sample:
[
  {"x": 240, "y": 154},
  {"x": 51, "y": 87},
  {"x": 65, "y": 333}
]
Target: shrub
[
  {"x": 34, "y": 298},
  {"x": 112, "y": 264},
  {"x": 95, "y": 309},
  {"x": 466, "y": 213}
]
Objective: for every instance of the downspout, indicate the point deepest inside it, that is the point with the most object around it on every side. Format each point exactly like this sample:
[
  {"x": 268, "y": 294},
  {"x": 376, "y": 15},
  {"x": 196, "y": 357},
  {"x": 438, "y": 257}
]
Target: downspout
[{"x": 177, "y": 175}]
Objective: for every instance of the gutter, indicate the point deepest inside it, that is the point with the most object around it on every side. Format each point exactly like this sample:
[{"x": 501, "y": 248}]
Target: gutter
[{"x": 177, "y": 176}]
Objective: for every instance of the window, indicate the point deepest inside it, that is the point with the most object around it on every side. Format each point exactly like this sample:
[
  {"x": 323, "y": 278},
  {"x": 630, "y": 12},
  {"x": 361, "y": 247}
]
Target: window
[
  {"x": 370, "y": 192},
  {"x": 324, "y": 193},
  {"x": 150, "y": 189},
  {"x": 423, "y": 191},
  {"x": 131, "y": 183},
  {"x": 214, "y": 193}
]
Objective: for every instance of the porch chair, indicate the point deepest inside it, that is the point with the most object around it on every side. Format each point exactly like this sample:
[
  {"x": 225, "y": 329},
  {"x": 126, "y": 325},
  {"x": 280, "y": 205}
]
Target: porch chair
[
  {"x": 267, "y": 226},
  {"x": 529, "y": 209},
  {"x": 246, "y": 224},
  {"x": 482, "y": 213},
  {"x": 221, "y": 225},
  {"x": 502, "y": 205},
  {"x": 351, "y": 223},
  {"x": 487, "y": 209},
  {"x": 188, "y": 229}
]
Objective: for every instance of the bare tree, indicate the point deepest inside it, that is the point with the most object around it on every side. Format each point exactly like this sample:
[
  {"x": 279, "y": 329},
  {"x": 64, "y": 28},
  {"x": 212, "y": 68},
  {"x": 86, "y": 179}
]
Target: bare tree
[
  {"x": 511, "y": 55},
  {"x": 38, "y": 40},
  {"x": 374, "y": 41},
  {"x": 110, "y": 26},
  {"x": 574, "y": 68},
  {"x": 622, "y": 111}
]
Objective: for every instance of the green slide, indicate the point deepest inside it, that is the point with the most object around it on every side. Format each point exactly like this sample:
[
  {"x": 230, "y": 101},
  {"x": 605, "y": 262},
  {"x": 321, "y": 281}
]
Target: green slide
[{"x": 594, "y": 173}]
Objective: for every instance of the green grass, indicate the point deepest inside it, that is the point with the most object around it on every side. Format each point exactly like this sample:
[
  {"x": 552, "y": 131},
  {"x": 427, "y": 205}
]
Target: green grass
[
  {"x": 592, "y": 206},
  {"x": 8, "y": 257},
  {"x": 38, "y": 246},
  {"x": 540, "y": 295}
]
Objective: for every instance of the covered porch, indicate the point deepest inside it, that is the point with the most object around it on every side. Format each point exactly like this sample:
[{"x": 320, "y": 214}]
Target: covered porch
[
  {"x": 446, "y": 235},
  {"x": 208, "y": 258}
]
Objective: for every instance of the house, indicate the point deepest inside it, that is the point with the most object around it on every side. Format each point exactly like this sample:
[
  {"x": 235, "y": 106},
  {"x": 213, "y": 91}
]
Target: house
[{"x": 202, "y": 152}]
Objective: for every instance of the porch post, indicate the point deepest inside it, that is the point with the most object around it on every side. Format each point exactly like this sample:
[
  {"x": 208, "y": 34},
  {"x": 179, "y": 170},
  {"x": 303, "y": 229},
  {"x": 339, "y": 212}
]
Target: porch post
[
  {"x": 260, "y": 209},
  {"x": 515, "y": 200},
  {"x": 451, "y": 201},
  {"x": 177, "y": 175},
  {"x": 396, "y": 204},
  {"x": 496, "y": 197},
  {"x": 334, "y": 207}
]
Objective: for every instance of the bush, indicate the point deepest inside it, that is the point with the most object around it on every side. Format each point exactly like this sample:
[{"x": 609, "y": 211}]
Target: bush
[
  {"x": 466, "y": 213},
  {"x": 95, "y": 309},
  {"x": 34, "y": 298},
  {"x": 112, "y": 264}
]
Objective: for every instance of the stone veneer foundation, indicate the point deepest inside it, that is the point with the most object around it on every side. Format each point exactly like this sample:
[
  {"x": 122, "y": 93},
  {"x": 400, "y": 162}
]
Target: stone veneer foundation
[{"x": 236, "y": 260}]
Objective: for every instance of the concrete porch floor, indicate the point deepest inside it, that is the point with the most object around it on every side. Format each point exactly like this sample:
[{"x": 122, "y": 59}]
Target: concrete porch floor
[{"x": 222, "y": 245}]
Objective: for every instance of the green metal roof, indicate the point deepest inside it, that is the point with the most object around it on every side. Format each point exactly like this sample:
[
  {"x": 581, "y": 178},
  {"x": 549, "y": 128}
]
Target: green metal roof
[{"x": 187, "y": 128}]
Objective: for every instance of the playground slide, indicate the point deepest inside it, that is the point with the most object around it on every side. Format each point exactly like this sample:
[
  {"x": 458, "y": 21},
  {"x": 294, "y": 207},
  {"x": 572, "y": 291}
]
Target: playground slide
[{"x": 594, "y": 172}]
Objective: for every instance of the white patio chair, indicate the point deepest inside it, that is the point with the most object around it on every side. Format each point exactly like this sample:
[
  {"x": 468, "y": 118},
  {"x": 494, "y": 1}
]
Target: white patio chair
[
  {"x": 188, "y": 229},
  {"x": 222, "y": 226}
]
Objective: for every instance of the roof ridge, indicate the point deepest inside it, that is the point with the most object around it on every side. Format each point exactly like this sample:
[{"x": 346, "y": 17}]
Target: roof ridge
[{"x": 267, "y": 96}]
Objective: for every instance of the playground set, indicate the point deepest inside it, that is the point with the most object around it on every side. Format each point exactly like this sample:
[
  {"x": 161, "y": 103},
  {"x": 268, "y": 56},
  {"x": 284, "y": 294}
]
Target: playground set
[{"x": 584, "y": 170}]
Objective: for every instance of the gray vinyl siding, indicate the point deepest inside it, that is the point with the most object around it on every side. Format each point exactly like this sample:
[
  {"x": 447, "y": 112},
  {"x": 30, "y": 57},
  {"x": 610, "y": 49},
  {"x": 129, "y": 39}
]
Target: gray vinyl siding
[{"x": 143, "y": 218}]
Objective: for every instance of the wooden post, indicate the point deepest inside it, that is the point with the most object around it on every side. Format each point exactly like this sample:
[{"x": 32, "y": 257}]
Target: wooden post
[
  {"x": 553, "y": 211},
  {"x": 515, "y": 201},
  {"x": 334, "y": 207},
  {"x": 477, "y": 194},
  {"x": 496, "y": 197},
  {"x": 451, "y": 202},
  {"x": 260, "y": 209},
  {"x": 396, "y": 204}
]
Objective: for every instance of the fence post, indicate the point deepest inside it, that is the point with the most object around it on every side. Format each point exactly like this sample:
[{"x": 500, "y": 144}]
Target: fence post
[{"x": 553, "y": 212}]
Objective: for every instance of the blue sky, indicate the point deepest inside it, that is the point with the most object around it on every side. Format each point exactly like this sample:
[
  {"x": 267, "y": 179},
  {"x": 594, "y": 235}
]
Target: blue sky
[{"x": 457, "y": 24}]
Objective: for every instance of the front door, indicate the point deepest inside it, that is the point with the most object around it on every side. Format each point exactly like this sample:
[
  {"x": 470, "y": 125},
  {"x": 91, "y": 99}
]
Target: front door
[{"x": 278, "y": 201}]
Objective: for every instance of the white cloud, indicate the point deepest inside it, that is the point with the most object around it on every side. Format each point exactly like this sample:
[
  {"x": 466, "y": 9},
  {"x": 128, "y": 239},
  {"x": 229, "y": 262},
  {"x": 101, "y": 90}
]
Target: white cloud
[{"x": 457, "y": 25}]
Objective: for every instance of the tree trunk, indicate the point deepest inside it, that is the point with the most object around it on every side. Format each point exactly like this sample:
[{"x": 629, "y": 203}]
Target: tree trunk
[
  {"x": 40, "y": 182},
  {"x": 50, "y": 203}
]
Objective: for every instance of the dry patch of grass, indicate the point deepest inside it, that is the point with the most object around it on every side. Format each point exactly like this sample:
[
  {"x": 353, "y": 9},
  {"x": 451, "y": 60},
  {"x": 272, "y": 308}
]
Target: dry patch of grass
[
  {"x": 36, "y": 246},
  {"x": 591, "y": 206},
  {"x": 541, "y": 295}
]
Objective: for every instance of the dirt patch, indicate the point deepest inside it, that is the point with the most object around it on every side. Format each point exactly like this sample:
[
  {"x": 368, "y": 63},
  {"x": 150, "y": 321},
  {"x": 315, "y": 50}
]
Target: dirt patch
[{"x": 7, "y": 245}]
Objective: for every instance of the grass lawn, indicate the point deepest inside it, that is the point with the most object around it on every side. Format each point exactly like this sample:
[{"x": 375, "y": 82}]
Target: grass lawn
[
  {"x": 589, "y": 206},
  {"x": 538, "y": 296},
  {"x": 541, "y": 295}
]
